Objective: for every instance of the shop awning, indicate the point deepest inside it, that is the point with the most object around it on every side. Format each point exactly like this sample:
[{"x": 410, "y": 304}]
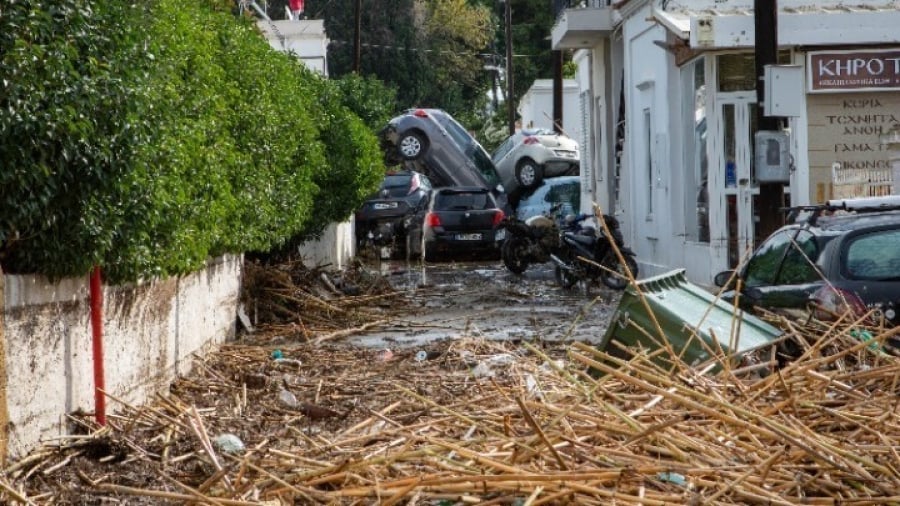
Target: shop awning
[{"x": 813, "y": 25}]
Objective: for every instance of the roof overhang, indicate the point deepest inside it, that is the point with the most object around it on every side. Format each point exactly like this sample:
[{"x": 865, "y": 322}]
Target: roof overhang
[
  {"x": 718, "y": 29},
  {"x": 581, "y": 28}
]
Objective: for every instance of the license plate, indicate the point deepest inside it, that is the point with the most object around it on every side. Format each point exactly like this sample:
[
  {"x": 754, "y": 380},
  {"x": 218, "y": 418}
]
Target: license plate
[
  {"x": 468, "y": 237},
  {"x": 380, "y": 206}
]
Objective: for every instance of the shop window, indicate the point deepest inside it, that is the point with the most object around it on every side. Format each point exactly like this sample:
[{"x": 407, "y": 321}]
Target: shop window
[
  {"x": 737, "y": 71},
  {"x": 696, "y": 162},
  {"x": 648, "y": 146}
]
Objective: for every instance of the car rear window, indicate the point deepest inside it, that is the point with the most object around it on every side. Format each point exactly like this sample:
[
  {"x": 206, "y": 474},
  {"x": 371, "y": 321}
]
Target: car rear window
[
  {"x": 463, "y": 201},
  {"x": 874, "y": 256},
  {"x": 396, "y": 185}
]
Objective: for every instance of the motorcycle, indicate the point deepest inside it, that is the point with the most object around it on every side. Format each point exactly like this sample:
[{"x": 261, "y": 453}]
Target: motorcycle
[
  {"x": 587, "y": 255},
  {"x": 532, "y": 241}
]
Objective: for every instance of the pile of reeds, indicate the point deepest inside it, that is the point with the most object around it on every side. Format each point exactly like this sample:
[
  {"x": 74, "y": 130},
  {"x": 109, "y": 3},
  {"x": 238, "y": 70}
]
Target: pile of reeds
[
  {"x": 293, "y": 298},
  {"x": 468, "y": 421}
]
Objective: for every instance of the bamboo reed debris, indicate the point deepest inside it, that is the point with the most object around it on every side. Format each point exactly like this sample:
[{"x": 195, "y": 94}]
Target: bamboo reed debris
[{"x": 491, "y": 422}]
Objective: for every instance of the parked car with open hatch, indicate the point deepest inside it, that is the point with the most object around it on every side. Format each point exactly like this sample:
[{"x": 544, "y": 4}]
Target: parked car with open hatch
[
  {"x": 843, "y": 255},
  {"x": 384, "y": 219}
]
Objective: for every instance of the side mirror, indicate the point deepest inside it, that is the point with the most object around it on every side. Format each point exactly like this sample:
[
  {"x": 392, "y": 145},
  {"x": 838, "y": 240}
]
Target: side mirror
[
  {"x": 722, "y": 278},
  {"x": 754, "y": 295}
]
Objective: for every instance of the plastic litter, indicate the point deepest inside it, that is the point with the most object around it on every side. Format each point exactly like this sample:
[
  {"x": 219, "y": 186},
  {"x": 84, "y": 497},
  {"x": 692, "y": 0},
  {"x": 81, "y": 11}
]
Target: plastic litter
[
  {"x": 675, "y": 478},
  {"x": 288, "y": 399},
  {"x": 229, "y": 443},
  {"x": 289, "y": 361},
  {"x": 276, "y": 354},
  {"x": 423, "y": 355},
  {"x": 483, "y": 370}
]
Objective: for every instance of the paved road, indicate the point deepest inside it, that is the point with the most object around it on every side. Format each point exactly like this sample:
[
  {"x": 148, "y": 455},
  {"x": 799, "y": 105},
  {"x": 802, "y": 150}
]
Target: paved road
[{"x": 483, "y": 299}]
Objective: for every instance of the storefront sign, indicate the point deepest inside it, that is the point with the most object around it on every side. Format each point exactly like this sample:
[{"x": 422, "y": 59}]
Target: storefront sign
[
  {"x": 831, "y": 71},
  {"x": 847, "y": 157}
]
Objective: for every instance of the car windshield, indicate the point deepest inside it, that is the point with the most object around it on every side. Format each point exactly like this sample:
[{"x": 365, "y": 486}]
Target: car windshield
[
  {"x": 786, "y": 258},
  {"x": 874, "y": 256},
  {"x": 569, "y": 193},
  {"x": 472, "y": 149},
  {"x": 484, "y": 165},
  {"x": 462, "y": 201}
]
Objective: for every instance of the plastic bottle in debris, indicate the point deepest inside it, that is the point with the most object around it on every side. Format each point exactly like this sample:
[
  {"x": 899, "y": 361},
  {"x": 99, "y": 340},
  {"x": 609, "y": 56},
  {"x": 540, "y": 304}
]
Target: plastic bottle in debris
[{"x": 288, "y": 399}]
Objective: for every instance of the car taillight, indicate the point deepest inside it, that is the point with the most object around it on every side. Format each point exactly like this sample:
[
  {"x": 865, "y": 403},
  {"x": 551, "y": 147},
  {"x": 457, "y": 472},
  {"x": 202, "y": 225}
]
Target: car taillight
[
  {"x": 420, "y": 113},
  {"x": 531, "y": 140},
  {"x": 498, "y": 217},
  {"x": 432, "y": 220},
  {"x": 829, "y": 302}
]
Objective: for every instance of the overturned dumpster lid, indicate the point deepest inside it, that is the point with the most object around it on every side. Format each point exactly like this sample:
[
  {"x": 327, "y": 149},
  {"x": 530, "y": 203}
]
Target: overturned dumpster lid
[{"x": 695, "y": 323}]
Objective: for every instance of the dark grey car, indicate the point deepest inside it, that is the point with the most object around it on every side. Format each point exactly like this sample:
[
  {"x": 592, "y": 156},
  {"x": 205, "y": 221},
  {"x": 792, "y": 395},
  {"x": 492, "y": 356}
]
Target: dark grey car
[
  {"x": 459, "y": 219},
  {"x": 384, "y": 218},
  {"x": 432, "y": 142},
  {"x": 833, "y": 257}
]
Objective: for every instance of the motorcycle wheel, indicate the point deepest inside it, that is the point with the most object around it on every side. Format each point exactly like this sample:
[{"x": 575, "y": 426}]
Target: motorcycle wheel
[
  {"x": 565, "y": 277},
  {"x": 618, "y": 279},
  {"x": 512, "y": 254}
]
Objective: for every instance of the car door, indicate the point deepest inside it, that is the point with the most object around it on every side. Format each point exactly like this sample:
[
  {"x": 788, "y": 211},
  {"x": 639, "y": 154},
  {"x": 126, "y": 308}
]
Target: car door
[{"x": 782, "y": 273}]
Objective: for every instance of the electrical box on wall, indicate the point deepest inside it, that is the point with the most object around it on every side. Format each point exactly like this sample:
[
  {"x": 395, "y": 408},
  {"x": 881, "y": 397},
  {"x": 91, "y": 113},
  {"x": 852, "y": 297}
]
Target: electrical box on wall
[
  {"x": 783, "y": 90},
  {"x": 773, "y": 157}
]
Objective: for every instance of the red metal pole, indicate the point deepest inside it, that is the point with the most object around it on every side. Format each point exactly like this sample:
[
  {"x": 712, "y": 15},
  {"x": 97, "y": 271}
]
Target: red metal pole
[{"x": 97, "y": 333}]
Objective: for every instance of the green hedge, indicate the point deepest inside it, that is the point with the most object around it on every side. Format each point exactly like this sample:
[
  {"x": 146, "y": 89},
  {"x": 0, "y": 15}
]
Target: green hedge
[{"x": 151, "y": 136}]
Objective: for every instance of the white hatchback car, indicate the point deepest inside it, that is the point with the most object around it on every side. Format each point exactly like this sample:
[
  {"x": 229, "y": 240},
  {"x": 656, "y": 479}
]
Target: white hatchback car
[{"x": 531, "y": 154}]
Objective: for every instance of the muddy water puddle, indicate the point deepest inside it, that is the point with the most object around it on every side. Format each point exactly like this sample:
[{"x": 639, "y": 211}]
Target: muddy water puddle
[{"x": 482, "y": 299}]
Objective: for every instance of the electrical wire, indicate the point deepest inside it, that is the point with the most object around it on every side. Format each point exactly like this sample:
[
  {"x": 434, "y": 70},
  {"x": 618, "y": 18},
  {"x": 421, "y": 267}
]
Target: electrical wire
[{"x": 438, "y": 51}]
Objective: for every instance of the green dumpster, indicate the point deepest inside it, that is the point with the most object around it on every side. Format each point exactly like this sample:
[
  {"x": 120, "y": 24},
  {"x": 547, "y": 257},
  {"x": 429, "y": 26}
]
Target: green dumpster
[{"x": 696, "y": 324}]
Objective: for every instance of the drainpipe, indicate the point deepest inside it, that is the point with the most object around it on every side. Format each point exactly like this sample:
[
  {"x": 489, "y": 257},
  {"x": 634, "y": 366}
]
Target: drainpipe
[
  {"x": 4, "y": 407},
  {"x": 97, "y": 334}
]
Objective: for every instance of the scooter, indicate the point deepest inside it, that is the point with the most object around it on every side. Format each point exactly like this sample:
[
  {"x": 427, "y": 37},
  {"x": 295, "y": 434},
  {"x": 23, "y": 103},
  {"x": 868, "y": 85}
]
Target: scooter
[
  {"x": 532, "y": 241},
  {"x": 589, "y": 255}
]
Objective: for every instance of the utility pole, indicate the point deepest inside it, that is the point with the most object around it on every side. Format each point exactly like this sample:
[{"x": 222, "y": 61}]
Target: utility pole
[
  {"x": 356, "y": 35},
  {"x": 771, "y": 195},
  {"x": 510, "y": 105},
  {"x": 557, "y": 91}
]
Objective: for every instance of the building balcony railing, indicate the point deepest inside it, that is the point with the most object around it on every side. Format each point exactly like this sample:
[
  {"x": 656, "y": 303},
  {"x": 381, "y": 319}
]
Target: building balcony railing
[
  {"x": 581, "y": 24},
  {"x": 560, "y": 5}
]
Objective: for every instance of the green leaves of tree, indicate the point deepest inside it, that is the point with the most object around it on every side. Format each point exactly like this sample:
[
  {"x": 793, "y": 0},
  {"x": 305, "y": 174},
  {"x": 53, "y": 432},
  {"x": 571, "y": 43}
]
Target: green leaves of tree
[{"x": 145, "y": 137}]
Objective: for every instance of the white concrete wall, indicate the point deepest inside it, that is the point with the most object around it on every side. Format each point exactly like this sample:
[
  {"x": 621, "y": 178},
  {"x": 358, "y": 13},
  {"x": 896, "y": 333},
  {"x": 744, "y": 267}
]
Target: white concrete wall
[
  {"x": 650, "y": 170},
  {"x": 151, "y": 330},
  {"x": 536, "y": 107},
  {"x": 335, "y": 248}
]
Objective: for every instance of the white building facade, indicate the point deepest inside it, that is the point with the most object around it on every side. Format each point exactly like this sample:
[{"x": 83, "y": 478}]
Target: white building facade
[{"x": 673, "y": 110}]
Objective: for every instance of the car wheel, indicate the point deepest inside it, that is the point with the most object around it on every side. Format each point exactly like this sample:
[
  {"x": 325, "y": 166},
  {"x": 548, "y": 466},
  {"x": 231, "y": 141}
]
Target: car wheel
[
  {"x": 528, "y": 173},
  {"x": 411, "y": 145}
]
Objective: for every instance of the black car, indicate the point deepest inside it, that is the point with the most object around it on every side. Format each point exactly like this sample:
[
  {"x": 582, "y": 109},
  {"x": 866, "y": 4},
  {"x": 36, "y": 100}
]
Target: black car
[
  {"x": 842, "y": 255},
  {"x": 432, "y": 142},
  {"x": 383, "y": 219},
  {"x": 460, "y": 219}
]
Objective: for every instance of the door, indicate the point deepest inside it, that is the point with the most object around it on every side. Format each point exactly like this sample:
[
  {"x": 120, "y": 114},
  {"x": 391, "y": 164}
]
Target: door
[{"x": 734, "y": 234}]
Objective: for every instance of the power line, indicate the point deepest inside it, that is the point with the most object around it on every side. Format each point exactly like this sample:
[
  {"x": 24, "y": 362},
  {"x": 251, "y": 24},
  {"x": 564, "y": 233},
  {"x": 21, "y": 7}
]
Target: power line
[{"x": 438, "y": 51}]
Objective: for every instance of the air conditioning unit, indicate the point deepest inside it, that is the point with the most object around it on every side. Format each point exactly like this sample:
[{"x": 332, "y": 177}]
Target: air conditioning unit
[{"x": 773, "y": 157}]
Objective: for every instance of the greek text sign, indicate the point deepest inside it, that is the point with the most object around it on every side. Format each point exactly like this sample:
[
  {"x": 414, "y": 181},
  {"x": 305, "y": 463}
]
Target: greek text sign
[{"x": 854, "y": 70}]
